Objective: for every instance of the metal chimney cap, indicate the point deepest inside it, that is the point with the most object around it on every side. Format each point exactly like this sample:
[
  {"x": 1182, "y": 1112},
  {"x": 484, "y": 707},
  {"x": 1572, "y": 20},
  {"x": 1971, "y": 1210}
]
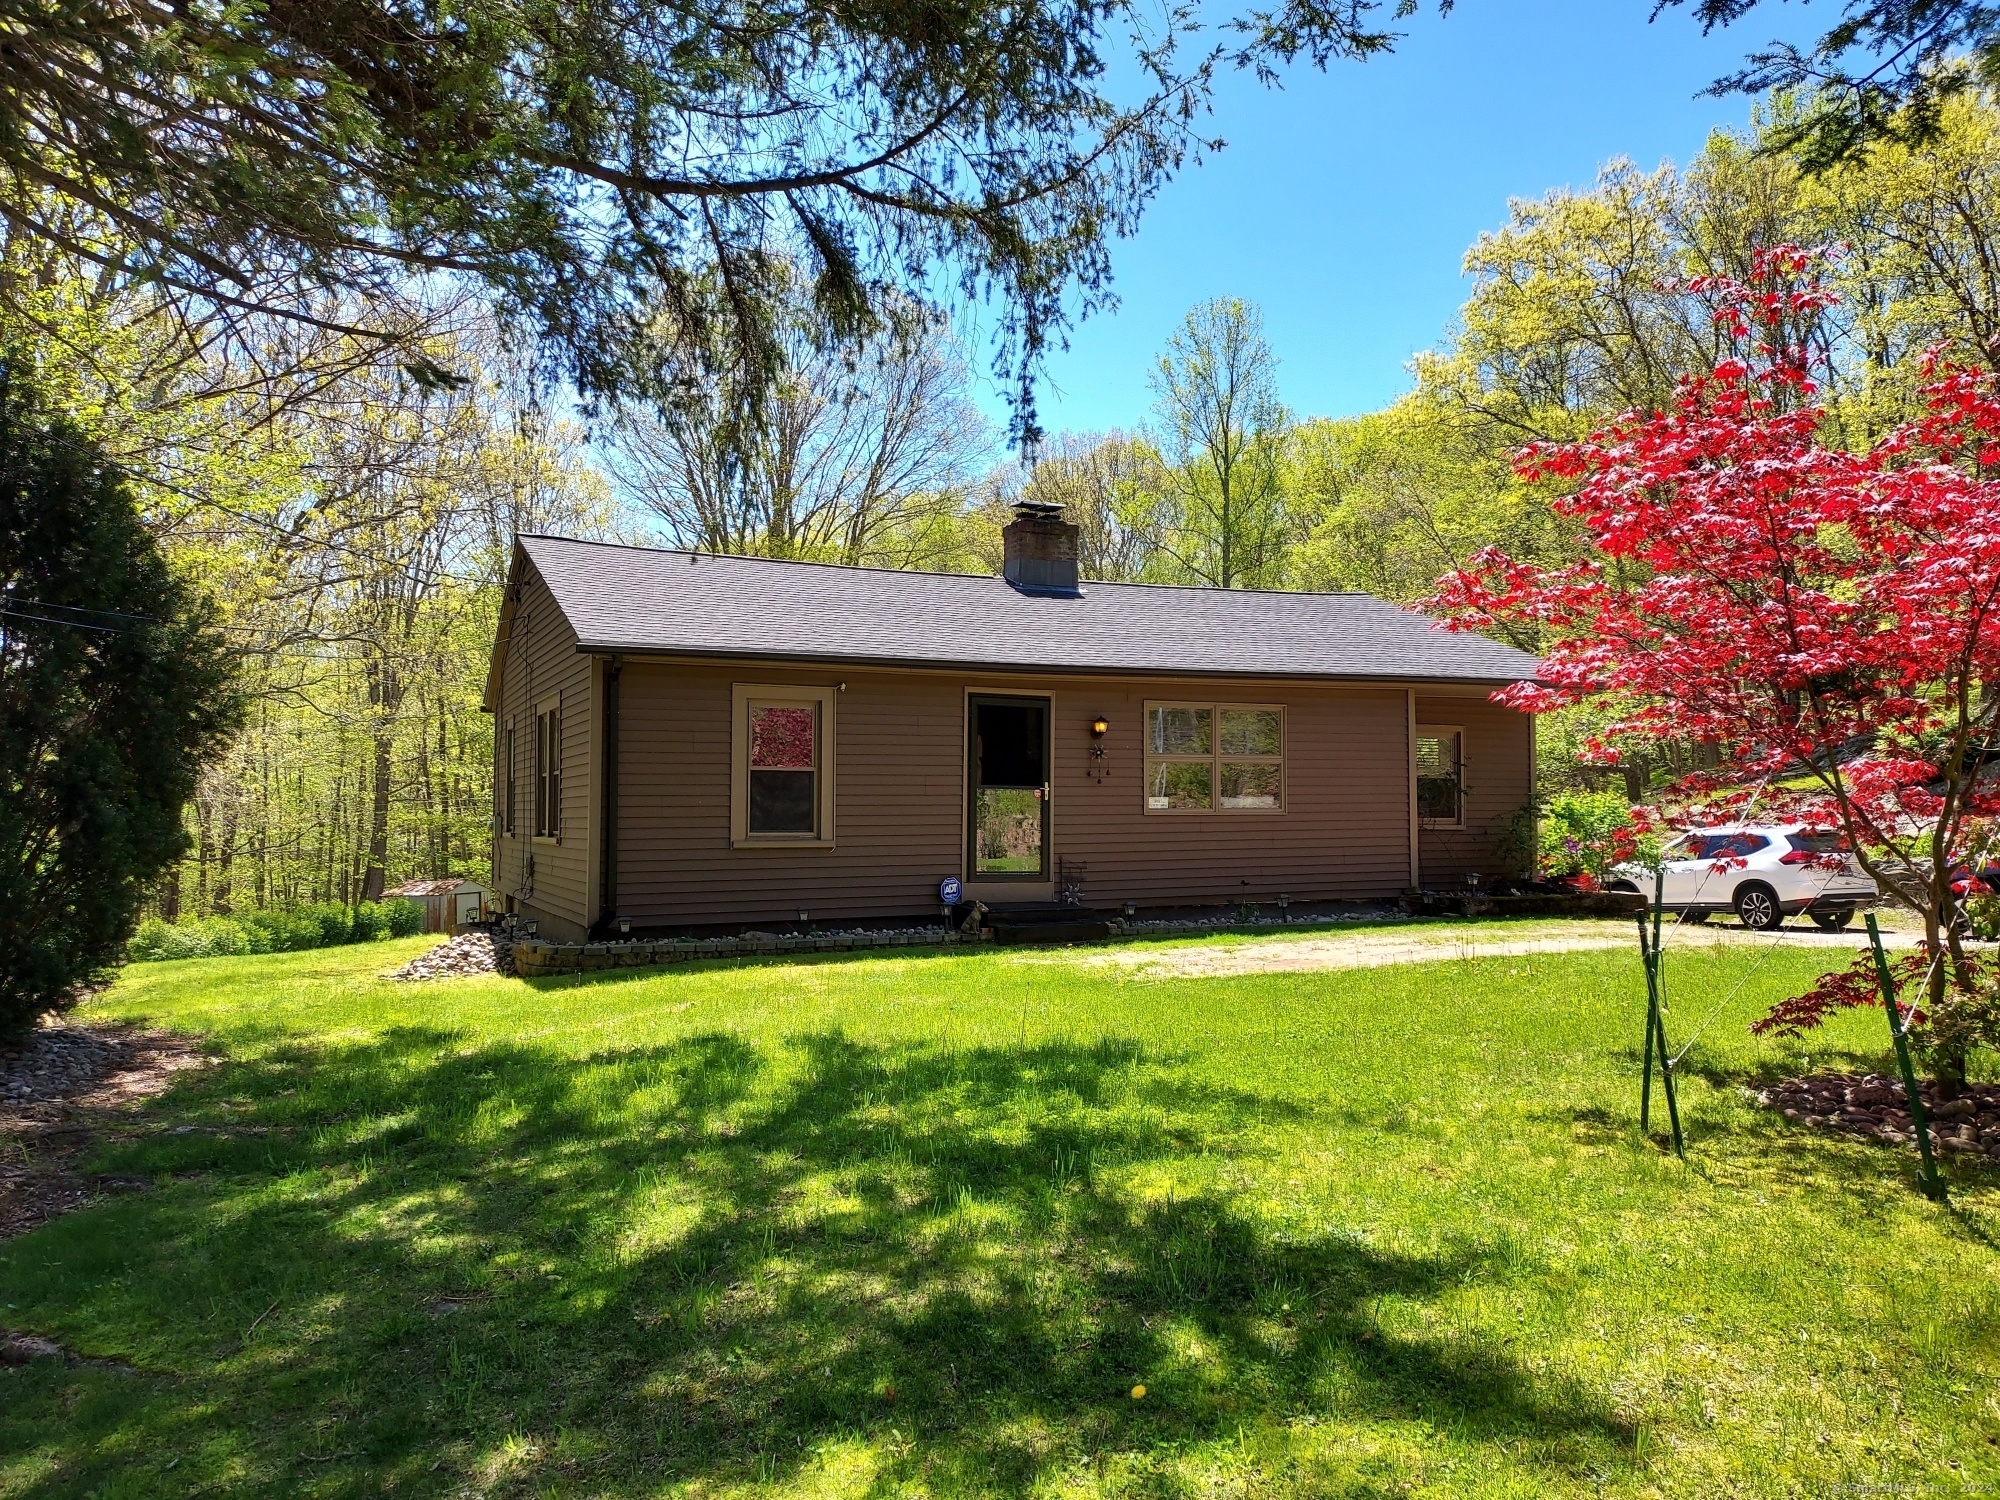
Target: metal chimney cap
[{"x": 1038, "y": 510}]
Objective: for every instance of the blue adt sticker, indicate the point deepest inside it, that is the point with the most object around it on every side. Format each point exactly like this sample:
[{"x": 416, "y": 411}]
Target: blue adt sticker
[{"x": 949, "y": 891}]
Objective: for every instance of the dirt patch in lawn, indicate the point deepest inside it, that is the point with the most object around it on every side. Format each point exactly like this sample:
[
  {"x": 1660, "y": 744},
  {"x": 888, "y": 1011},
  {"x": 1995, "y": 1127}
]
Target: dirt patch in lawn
[
  {"x": 1430, "y": 944},
  {"x": 58, "y": 1091}
]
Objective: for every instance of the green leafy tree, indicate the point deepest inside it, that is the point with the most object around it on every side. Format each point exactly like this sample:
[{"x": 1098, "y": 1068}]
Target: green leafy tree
[
  {"x": 1216, "y": 394},
  {"x": 1914, "y": 63},
  {"x": 1115, "y": 487},
  {"x": 617, "y": 175},
  {"x": 113, "y": 690},
  {"x": 1384, "y": 499}
]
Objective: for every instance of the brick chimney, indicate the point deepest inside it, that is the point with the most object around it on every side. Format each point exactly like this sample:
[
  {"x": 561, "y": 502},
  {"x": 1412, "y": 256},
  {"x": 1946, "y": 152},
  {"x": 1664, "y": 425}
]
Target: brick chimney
[{"x": 1040, "y": 550}]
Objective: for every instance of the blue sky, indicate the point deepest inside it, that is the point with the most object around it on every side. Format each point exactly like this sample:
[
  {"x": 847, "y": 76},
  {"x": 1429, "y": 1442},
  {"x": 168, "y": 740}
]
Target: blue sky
[{"x": 1343, "y": 204}]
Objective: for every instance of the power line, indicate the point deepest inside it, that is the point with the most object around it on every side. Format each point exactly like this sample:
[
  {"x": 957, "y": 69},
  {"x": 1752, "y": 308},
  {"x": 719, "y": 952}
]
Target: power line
[
  {"x": 84, "y": 609},
  {"x": 15, "y": 614}
]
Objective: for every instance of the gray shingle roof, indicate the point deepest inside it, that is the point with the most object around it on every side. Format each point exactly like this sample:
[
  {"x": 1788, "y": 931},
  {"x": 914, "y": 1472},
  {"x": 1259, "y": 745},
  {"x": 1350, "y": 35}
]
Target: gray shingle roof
[{"x": 643, "y": 599}]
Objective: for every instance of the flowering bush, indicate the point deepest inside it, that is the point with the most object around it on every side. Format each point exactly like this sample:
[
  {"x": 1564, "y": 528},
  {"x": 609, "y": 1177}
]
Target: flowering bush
[{"x": 1589, "y": 833}]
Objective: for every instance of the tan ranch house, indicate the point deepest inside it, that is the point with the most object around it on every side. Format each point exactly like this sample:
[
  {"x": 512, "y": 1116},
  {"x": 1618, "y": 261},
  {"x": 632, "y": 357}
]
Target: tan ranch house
[{"x": 686, "y": 740}]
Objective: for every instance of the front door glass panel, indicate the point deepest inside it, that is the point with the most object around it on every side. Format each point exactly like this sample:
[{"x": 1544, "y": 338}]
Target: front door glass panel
[{"x": 1010, "y": 791}]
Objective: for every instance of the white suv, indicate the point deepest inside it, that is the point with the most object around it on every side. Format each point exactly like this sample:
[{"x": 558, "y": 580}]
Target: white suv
[{"x": 1762, "y": 872}]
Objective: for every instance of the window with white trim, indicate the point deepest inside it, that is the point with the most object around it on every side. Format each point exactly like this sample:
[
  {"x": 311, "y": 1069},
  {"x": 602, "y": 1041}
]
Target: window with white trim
[
  {"x": 1215, "y": 757},
  {"x": 782, "y": 777},
  {"x": 1440, "y": 771}
]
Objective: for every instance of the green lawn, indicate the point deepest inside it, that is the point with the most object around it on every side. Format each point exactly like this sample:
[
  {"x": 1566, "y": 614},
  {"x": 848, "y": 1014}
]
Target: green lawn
[{"x": 919, "y": 1225}]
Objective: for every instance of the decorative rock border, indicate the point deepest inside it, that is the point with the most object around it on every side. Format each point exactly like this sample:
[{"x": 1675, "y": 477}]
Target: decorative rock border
[
  {"x": 1873, "y": 1105},
  {"x": 534, "y": 960}
]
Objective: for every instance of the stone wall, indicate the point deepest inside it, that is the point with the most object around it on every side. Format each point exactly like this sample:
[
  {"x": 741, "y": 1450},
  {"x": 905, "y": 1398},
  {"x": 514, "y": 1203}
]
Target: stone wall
[{"x": 533, "y": 960}]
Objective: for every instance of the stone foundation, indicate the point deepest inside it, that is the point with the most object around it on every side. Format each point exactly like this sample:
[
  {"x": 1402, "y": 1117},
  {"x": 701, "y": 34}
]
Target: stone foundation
[{"x": 534, "y": 959}]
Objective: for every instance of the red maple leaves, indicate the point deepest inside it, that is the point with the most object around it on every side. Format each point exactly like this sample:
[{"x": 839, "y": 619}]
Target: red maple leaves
[{"x": 1827, "y": 618}]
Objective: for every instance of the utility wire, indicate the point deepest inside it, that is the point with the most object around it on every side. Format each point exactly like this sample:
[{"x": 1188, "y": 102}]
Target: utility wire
[{"x": 15, "y": 614}]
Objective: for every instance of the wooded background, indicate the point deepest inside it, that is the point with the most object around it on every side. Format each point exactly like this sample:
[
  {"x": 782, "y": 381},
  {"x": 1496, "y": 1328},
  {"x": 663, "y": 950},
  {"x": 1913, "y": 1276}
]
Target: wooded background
[{"x": 350, "y": 500}]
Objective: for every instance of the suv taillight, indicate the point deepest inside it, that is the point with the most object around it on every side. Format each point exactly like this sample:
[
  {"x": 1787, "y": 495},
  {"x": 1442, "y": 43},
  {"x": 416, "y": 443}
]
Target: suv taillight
[{"x": 1799, "y": 857}]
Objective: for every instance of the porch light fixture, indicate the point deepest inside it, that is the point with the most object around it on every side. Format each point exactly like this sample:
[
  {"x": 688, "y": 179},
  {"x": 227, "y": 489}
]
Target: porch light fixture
[{"x": 1099, "y": 766}]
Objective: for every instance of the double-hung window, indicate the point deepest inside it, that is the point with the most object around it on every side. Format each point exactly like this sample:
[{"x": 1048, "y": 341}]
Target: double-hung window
[
  {"x": 1440, "y": 773},
  {"x": 782, "y": 776},
  {"x": 507, "y": 788},
  {"x": 1215, "y": 757},
  {"x": 548, "y": 770}
]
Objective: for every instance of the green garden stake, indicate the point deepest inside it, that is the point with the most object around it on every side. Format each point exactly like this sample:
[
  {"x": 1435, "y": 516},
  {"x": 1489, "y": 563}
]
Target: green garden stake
[
  {"x": 1646, "y": 951},
  {"x": 1659, "y": 986},
  {"x": 1659, "y": 902},
  {"x": 1656, "y": 1030},
  {"x": 1899, "y": 1029},
  {"x": 1646, "y": 1083},
  {"x": 1666, "y": 1063}
]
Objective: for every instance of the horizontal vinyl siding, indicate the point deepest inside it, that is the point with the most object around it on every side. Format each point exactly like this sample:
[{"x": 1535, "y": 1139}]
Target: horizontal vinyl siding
[
  {"x": 1344, "y": 831},
  {"x": 897, "y": 749},
  {"x": 542, "y": 661},
  {"x": 1498, "y": 784},
  {"x": 899, "y": 800}
]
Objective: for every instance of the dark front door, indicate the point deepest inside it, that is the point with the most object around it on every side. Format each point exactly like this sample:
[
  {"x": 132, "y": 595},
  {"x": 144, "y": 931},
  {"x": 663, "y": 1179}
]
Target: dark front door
[{"x": 1009, "y": 771}]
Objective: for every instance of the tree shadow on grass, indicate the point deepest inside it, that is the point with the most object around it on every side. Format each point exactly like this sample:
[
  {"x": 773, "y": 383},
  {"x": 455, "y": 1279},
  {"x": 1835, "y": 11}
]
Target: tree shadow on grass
[
  {"x": 615, "y": 977},
  {"x": 703, "y": 1261},
  {"x": 1782, "y": 1152}
]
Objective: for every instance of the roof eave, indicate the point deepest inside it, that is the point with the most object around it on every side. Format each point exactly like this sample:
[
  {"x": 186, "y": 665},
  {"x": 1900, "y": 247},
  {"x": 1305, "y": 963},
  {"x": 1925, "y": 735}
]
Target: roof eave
[
  {"x": 962, "y": 664},
  {"x": 496, "y": 660}
]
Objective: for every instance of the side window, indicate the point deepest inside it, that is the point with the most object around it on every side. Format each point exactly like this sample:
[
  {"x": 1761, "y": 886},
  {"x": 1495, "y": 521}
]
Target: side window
[
  {"x": 506, "y": 778},
  {"x": 1440, "y": 776},
  {"x": 548, "y": 771}
]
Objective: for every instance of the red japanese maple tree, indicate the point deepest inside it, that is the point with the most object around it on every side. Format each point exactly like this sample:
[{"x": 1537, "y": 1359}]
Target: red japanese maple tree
[{"x": 1827, "y": 619}]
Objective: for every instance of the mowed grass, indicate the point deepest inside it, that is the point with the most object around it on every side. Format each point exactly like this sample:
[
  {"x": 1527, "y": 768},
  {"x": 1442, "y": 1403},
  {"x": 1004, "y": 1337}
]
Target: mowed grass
[{"x": 920, "y": 1225}]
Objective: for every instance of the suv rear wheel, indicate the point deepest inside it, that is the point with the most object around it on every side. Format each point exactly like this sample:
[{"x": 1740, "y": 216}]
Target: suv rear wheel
[
  {"x": 1832, "y": 921},
  {"x": 1757, "y": 907}
]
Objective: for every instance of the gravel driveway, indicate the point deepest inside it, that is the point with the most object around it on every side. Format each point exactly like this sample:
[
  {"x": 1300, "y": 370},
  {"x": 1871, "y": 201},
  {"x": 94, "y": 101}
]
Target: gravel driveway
[{"x": 1432, "y": 943}]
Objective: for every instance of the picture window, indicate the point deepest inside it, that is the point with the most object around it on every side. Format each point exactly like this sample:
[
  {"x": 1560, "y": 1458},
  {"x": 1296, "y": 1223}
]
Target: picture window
[{"x": 1214, "y": 757}]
